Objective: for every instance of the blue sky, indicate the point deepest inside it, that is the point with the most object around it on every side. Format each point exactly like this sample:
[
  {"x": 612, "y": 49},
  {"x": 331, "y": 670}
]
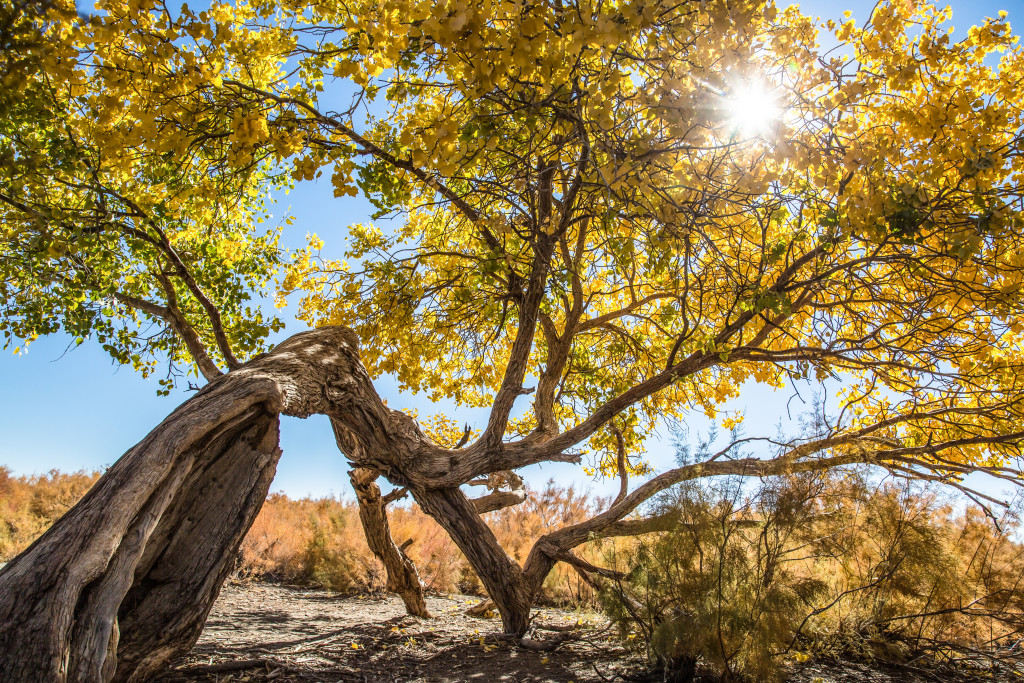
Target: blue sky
[{"x": 71, "y": 408}]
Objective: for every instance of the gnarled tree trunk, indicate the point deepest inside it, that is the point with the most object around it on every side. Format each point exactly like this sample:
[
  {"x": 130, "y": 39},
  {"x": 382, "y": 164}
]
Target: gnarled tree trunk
[
  {"x": 124, "y": 581},
  {"x": 402, "y": 575},
  {"x": 499, "y": 573}
]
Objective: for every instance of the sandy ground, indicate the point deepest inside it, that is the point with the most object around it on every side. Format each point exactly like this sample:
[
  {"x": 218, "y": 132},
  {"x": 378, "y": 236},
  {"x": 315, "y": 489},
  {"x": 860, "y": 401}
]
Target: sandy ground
[
  {"x": 291, "y": 634},
  {"x": 263, "y": 632}
]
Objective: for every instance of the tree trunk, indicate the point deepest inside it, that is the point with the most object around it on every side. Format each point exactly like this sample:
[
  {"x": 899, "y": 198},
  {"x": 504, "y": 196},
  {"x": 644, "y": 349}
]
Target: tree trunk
[
  {"x": 499, "y": 573},
  {"x": 402, "y": 575},
  {"x": 123, "y": 582}
]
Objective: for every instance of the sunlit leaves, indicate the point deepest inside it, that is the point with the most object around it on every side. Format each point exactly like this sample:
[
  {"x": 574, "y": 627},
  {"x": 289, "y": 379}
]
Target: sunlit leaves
[{"x": 871, "y": 229}]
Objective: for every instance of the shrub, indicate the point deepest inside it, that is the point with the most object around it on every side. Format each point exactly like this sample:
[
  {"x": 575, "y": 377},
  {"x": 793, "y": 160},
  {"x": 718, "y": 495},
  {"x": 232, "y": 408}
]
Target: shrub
[
  {"x": 320, "y": 541},
  {"x": 814, "y": 564},
  {"x": 719, "y": 586},
  {"x": 29, "y": 505}
]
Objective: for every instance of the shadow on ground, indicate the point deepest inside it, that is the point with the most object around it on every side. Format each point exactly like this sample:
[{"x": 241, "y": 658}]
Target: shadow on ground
[{"x": 262, "y": 632}]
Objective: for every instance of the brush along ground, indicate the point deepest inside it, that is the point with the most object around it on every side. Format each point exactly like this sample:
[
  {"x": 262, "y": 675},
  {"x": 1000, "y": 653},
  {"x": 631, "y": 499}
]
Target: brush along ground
[{"x": 264, "y": 632}]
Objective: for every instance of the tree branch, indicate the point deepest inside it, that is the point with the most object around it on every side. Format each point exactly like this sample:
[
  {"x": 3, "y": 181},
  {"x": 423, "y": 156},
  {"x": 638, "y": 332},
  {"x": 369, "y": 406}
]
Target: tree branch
[
  {"x": 181, "y": 327},
  {"x": 393, "y": 495},
  {"x": 620, "y": 463},
  {"x": 498, "y": 500}
]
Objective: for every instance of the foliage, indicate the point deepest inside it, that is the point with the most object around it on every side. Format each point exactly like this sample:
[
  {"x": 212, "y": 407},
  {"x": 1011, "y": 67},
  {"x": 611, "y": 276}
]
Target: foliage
[
  {"x": 747, "y": 580},
  {"x": 579, "y": 201},
  {"x": 103, "y": 240}
]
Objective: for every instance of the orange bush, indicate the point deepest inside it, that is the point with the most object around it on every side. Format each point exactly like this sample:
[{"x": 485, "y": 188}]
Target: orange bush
[
  {"x": 30, "y": 504},
  {"x": 320, "y": 541}
]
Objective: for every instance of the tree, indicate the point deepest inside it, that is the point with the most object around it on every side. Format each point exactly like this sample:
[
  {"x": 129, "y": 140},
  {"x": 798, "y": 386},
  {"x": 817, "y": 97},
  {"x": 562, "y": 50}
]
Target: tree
[{"x": 587, "y": 219}]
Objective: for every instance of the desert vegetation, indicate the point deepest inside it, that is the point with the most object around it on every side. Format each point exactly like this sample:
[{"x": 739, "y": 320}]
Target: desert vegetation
[
  {"x": 602, "y": 218},
  {"x": 320, "y": 542},
  {"x": 749, "y": 578},
  {"x": 30, "y": 504},
  {"x": 741, "y": 581}
]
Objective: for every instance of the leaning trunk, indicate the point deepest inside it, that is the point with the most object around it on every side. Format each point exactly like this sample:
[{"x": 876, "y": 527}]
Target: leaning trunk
[
  {"x": 123, "y": 582},
  {"x": 401, "y": 572},
  {"x": 499, "y": 573}
]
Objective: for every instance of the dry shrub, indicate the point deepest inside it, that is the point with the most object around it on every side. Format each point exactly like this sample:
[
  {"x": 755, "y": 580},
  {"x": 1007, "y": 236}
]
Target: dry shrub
[
  {"x": 819, "y": 564},
  {"x": 914, "y": 576},
  {"x": 30, "y": 504},
  {"x": 309, "y": 541},
  {"x": 441, "y": 564},
  {"x": 320, "y": 542}
]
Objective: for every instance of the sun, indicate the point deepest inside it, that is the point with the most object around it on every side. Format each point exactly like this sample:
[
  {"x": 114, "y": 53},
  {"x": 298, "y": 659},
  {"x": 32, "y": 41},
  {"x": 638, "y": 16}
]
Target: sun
[{"x": 752, "y": 108}]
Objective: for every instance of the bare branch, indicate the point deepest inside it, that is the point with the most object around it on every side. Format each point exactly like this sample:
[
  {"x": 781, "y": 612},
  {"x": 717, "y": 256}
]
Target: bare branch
[
  {"x": 569, "y": 558},
  {"x": 465, "y": 438},
  {"x": 392, "y": 496},
  {"x": 498, "y": 500},
  {"x": 620, "y": 463}
]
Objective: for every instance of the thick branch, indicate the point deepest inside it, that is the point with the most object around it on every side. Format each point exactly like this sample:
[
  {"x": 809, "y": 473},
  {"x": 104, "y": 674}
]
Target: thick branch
[
  {"x": 519, "y": 356},
  {"x": 620, "y": 464},
  {"x": 860, "y": 449},
  {"x": 568, "y": 557},
  {"x": 498, "y": 500},
  {"x": 401, "y": 572}
]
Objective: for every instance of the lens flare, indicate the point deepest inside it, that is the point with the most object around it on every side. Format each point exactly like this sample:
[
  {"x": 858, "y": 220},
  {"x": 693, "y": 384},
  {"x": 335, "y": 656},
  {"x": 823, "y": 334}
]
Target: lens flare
[{"x": 752, "y": 109}]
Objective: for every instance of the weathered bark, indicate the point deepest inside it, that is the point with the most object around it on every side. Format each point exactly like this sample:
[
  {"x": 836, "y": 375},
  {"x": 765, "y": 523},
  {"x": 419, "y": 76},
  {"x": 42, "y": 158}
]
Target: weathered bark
[
  {"x": 498, "y": 500},
  {"x": 401, "y": 572},
  {"x": 499, "y": 573},
  {"x": 123, "y": 582}
]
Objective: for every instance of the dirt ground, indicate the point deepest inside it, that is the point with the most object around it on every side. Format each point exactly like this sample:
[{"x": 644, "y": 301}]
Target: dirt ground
[
  {"x": 292, "y": 634},
  {"x": 263, "y": 632}
]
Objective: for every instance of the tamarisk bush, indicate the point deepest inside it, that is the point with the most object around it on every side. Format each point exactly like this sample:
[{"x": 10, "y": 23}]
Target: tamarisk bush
[{"x": 747, "y": 579}]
